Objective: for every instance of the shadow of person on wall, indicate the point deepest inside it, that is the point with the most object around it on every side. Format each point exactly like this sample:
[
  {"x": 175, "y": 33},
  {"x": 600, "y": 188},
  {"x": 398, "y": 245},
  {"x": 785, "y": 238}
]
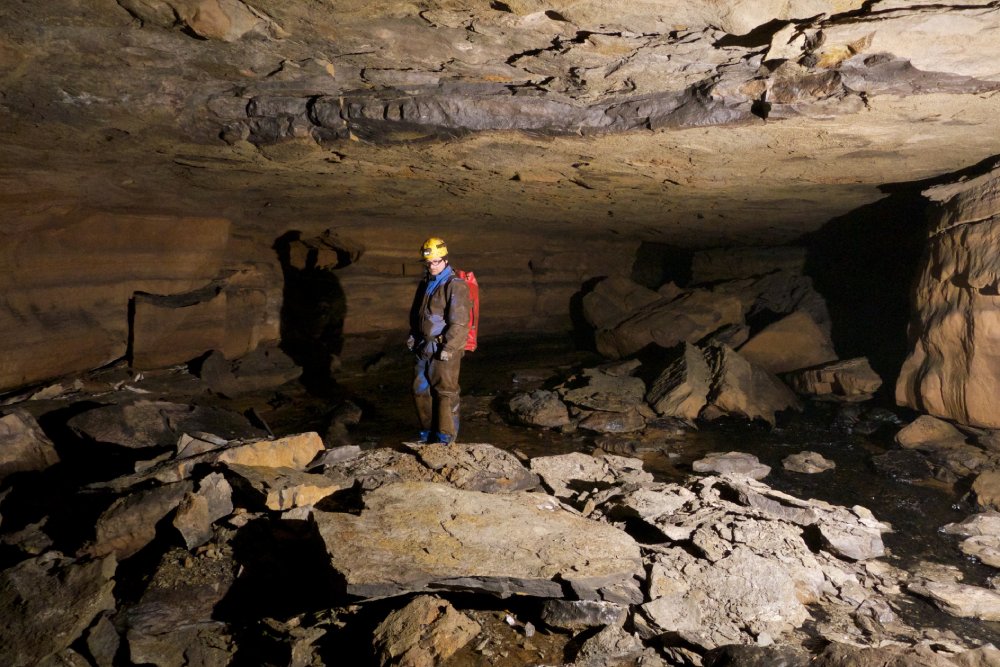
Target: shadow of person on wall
[{"x": 313, "y": 308}]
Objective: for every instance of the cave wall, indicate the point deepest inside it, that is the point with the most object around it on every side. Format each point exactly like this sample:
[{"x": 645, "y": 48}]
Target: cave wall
[
  {"x": 86, "y": 288},
  {"x": 953, "y": 369}
]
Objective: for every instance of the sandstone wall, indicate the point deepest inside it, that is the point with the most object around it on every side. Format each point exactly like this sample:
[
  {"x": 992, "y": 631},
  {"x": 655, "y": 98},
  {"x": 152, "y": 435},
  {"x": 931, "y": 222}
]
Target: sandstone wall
[
  {"x": 527, "y": 283},
  {"x": 80, "y": 287},
  {"x": 953, "y": 370}
]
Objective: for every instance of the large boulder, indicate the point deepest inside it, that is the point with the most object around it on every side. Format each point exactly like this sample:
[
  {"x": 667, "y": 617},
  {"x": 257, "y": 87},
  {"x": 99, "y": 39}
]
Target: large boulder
[
  {"x": 741, "y": 389},
  {"x": 793, "y": 342},
  {"x": 477, "y": 467},
  {"x": 614, "y": 299},
  {"x": 669, "y": 321}
]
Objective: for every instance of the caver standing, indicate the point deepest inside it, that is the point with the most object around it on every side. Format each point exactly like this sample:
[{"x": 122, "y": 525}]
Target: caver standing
[{"x": 439, "y": 328}]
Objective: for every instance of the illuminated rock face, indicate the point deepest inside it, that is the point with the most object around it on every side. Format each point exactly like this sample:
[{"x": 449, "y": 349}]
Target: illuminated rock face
[
  {"x": 953, "y": 370},
  {"x": 154, "y": 152}
]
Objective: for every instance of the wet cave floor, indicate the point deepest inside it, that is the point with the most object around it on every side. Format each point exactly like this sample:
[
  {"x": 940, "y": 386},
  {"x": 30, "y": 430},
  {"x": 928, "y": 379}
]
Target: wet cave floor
[{"x": 916, "y": 509}]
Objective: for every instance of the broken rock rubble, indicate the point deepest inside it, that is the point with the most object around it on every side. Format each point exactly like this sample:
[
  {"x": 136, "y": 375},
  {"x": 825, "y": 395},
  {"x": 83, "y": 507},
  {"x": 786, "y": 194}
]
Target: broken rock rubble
[{"x": 722, "y": 559}]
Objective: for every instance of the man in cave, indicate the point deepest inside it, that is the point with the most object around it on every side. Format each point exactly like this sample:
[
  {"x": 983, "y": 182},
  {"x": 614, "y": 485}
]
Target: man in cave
[{"x": 439, "y": 329}]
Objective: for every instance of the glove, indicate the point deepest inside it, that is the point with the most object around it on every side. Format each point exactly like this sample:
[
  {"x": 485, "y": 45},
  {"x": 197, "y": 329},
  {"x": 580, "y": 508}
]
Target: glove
[
  {"x": 411, "y": 343},
  {"x": 444, "y": 355}
]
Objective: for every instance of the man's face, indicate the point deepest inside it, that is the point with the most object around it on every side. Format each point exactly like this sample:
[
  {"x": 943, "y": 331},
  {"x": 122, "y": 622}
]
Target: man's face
[{"x": 435, "y": 266}]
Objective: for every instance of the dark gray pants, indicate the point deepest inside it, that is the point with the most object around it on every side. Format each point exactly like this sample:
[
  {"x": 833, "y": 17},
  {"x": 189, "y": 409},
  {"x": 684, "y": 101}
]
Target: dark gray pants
[{"x": 436, "y": 395}]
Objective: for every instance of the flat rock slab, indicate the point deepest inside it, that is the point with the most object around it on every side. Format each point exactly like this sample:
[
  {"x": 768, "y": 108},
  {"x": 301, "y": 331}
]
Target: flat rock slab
[
  {"x": 286, "y": 488},
  {"x": 808, "y": 463},
  {"x": 23, "y": 444},
  {"x": 416, "y": 536},
  {"x": 959, "y": 600}
]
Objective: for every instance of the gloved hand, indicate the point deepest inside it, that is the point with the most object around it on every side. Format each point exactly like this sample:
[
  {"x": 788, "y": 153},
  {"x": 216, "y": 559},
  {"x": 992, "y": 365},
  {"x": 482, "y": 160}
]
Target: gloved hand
[
  {"x": 444, "y": 355},
  {"x": 411, "y": 343}
]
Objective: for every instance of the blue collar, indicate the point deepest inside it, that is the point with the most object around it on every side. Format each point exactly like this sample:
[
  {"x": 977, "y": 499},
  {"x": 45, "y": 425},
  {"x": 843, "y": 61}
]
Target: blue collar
[{"x": 433, "y": 282}]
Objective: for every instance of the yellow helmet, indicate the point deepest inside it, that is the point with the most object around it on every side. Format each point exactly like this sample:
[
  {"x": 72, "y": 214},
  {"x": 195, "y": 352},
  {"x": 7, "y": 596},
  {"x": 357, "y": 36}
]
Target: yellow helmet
[{"x": 433, "y": 248}]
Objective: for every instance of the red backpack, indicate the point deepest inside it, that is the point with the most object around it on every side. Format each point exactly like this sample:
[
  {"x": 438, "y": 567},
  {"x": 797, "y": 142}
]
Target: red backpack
[{"x": 470, "y": 279}]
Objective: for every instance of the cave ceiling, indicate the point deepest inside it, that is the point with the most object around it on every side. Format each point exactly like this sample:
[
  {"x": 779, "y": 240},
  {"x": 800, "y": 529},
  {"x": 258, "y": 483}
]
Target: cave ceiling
[{"x": 694, "y": 123}]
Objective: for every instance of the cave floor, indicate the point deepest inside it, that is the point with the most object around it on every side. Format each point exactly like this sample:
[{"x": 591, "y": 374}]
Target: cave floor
[{"x": 916, "y": 509}]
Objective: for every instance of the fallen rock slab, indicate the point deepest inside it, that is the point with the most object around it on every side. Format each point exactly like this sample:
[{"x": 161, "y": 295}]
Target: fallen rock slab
[
  {"x": 849, "y": 380},
  {"x": 713, "y": 604},
  {"x": 958, "y": 599},
  {"x": 598, "y": 389},
  {"x": 414, "y": 537},
  {"x": 566, "y": 474},
  {"x": 129, "y": 523},
  {"x": 143, "y": 424},
  {"x": 671, "y": 320},
  {"x": 377, "y": 467}
]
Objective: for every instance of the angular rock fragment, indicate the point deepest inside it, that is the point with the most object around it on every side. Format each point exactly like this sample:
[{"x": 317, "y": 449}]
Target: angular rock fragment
[
  {"x": 279, "y": 489},
  {"x": 567, "y": 474},
  {"x": 23, "y": 445},
  {"x": 539, "y": 408},
  {"x": 613, "y": 646},
  {"x": 48, "y": 601},
  {"x": 732, "y": 463},
  {"x": 850, "y": 380},
  {"x": 103, "y": 641},
  {"x": 414, "y": 537},
  {"x": 426, "y": 632},
  {"x": 172, "y": 624},
  {"x": 681, "y": 389},
  {"x": 582, "y": 614},
  {"x": 741, "y": 389},
  {"x": 959, "y": 600},
  {"x": 198, "y": 511},
  {"x": 293, "y": 451},
  {"x": 129, "y": 523},
  {"x": 808, "y": 463},
  {"x": 477, "y": 467}
]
